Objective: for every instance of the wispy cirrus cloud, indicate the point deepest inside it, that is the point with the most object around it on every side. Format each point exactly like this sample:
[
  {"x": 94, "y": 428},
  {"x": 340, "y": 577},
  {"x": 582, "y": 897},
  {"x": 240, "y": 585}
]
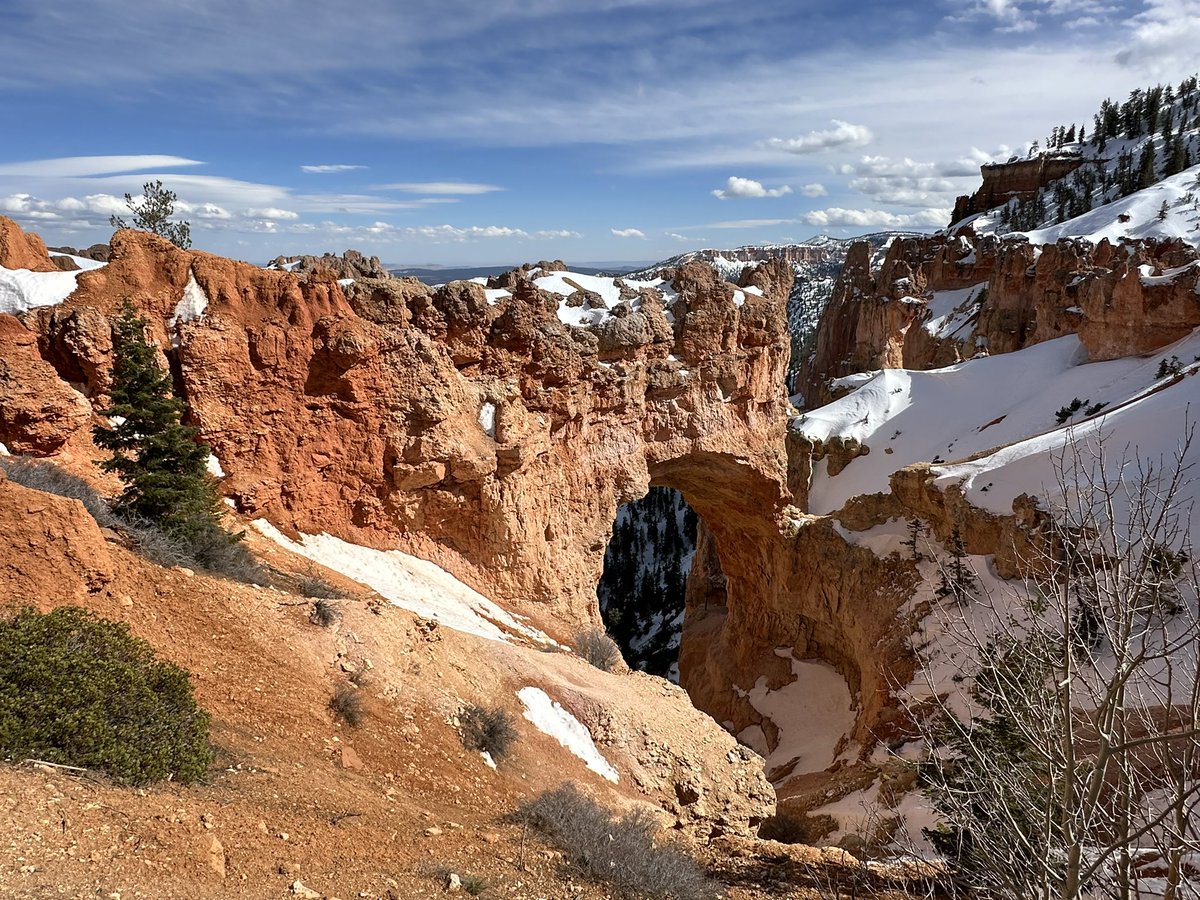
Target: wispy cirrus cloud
[
  {"x": 439, "y": 187},
  {"x": 330, "y": 169},
  {"x": 84, "y": 166}
]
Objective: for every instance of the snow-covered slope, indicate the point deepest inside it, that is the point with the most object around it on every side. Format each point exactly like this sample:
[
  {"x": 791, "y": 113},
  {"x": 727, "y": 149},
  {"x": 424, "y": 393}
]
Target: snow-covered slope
[
  {"x": 1137, "y": 177},
  {"x": 995, "y": 425}
]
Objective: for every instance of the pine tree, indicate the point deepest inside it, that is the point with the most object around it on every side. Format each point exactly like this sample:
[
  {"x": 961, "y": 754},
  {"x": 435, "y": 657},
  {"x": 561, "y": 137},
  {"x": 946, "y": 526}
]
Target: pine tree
[
  {"x": 915, "y": 530},
  {"x": 160, "y": 460},
  {"x": 956, "y": 579},
  {"x": 153, "y": 213},
  {"x": 1145, "y": 169}
]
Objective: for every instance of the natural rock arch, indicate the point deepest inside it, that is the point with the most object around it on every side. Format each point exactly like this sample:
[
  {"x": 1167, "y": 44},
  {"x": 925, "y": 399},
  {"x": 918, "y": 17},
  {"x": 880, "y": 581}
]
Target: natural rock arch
[{"x": 495, "y": 440}]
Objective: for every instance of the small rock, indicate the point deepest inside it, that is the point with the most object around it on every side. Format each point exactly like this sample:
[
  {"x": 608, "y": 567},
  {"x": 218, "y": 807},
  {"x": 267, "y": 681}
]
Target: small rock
[
  {"x": 432, "y": 831},
  {"x": 288, "y": 868},
  {"x": 216, "y": 856},
  {"x": 300, "y": 890},
  {"x": 453, "y": 883},
  {"x": 349, "y": 759}
]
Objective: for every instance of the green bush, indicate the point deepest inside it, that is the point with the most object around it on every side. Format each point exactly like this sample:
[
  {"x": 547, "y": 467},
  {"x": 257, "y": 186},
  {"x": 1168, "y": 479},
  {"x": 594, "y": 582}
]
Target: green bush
[{"x": 79, "y": 690}]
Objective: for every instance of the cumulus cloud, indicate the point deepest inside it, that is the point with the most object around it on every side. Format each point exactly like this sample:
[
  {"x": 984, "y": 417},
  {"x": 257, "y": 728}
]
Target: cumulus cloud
[
  {"x": 562, "y": 233},
  {"x": 93, "y": 210},
  {"x": 737, "y": 188},
  {"x": 329, "y": 169},
  {"x": 1026, "y": 15},
  {"x": 627, "y": 233},
  {"x": 439, "y": 187},
  {"x": 842, "y": 135},
  {"x": 874, "y": 218},
  {"x": 814, "y": 190},
  {"x": 1164, "y": 38}
]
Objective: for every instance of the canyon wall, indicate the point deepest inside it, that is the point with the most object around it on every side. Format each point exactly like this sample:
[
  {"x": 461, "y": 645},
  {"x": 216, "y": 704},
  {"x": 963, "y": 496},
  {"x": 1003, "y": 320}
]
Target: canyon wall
[{"x": 1133, "y": 297}]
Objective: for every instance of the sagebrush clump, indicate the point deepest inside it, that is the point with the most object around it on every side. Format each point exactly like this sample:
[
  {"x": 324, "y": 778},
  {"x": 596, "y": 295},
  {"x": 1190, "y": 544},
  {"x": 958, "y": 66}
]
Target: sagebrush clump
[
  {"x": 620, "y": 852},
  {"x": 347, "y": 706},
  {"x": 600, "y": 650},
  {"x": 79, "y": 690},
  {"x": 492, "y": 731}
]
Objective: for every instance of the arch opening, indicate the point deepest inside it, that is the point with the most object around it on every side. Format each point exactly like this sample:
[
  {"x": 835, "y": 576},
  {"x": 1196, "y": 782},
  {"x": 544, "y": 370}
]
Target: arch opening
[{"x": 648, "y": 584}]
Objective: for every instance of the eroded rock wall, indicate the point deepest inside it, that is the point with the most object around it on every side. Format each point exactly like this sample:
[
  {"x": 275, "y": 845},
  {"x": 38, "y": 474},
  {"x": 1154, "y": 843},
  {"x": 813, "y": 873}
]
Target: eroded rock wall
[{"x": 1134, "y": 297}]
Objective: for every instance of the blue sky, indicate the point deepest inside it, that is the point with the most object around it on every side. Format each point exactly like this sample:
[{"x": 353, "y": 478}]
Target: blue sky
[{"x": 464, "y": 132}]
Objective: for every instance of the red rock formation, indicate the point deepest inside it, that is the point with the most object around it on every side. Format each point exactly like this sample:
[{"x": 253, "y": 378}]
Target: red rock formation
[
  {"x": 1117, "y": 298},
  {"x": 1021, "y": 178},
  {"x": 38, "y": 412},
  {"x": 19, "y": 250}
]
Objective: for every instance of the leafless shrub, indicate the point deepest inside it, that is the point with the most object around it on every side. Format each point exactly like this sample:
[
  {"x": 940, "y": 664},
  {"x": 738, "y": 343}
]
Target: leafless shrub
[
  {"x": 347, "y": 706},
  {"x": 600, "y": 650},
  {"x": 324, "y": 613},
  {"x": 492, "y": 731},
  {"x": 620, "y": 852},
  {"x": 1079, "y": 758}
]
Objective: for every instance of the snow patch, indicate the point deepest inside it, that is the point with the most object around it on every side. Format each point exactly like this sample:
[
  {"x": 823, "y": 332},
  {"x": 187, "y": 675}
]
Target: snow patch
[
  {"x": 413, "y": 584},
  {"x": 487, "y": 419},
  {"x": 4, "y": 451},
  {"x": 85, "y": 264},
  {"x": 214, "y": 466},
  {"x": 190, "y": 307},
  {"x": 22, "y": 290},
  {"x": 813, "y": 714},
  {"x": 550, "y": 718}
]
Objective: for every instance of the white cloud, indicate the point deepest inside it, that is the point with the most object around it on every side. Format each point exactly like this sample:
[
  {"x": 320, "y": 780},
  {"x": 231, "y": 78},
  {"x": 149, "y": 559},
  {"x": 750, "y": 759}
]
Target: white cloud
[
  {"x": 680, "y": 237},
  {"x": 1164, "y": 39},
  {"x": 872, "y": 218},
  {"x": 439, "y": 187},
  {"x": 561, "y": 233},
  {"x": 329, "y": 169},
  {"x": 272, "y": 212},
  {"x": 748, "y": 188},
  {"x": 814, "y": 190},
  {"x": 843, "y": 134},
  {"x": 82, "y": 166},
  {"x": 627, "y": 233}
]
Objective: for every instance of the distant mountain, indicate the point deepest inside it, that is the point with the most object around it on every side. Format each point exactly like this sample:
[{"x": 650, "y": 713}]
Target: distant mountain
[{"x": 438, "y": 275}]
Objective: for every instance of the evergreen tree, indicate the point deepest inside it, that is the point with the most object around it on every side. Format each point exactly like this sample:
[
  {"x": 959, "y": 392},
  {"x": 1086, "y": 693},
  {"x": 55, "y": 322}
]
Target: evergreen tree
[
  {"x": 915, "y": 530},
  {"x": 160, "y": 460},
  {"x": 153, "y": 213},
  {"x": 956, "y": 579},
  {"x": 1145, "y": 169}
]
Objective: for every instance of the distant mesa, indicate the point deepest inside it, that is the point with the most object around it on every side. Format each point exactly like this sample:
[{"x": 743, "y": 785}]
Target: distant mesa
[{"x": 1020, "y": 179}]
